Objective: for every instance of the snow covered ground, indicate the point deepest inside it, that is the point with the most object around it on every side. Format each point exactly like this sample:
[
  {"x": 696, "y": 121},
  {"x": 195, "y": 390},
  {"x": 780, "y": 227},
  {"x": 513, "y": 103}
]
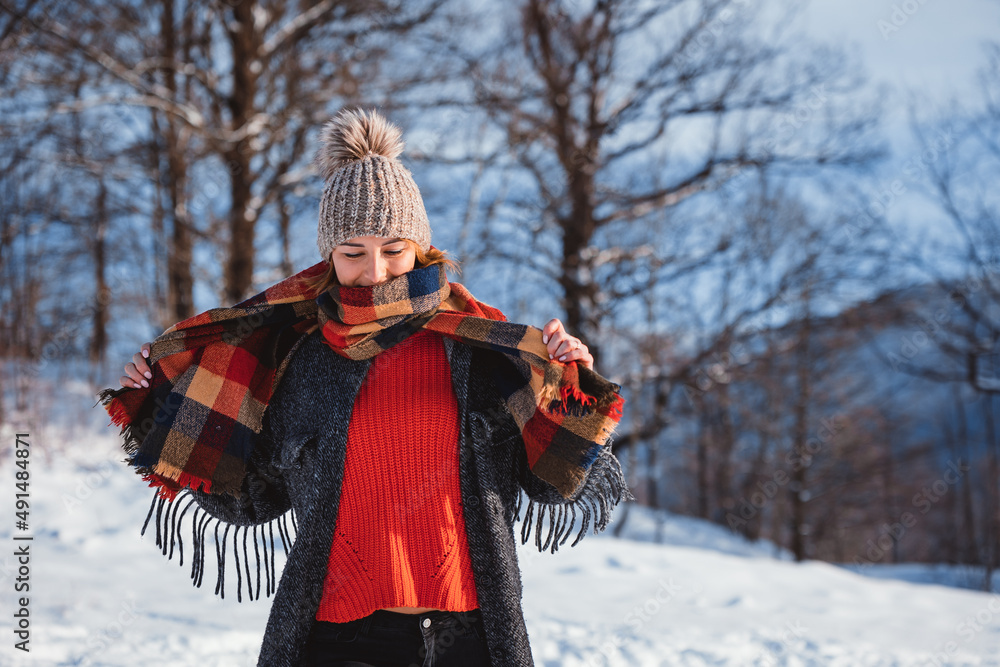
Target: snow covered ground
[{"x": 101, "y": 595}]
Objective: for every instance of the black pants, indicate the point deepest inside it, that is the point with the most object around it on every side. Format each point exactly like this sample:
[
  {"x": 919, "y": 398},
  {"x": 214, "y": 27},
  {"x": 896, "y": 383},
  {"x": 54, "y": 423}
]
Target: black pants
[{"x": 392, "y": 639}]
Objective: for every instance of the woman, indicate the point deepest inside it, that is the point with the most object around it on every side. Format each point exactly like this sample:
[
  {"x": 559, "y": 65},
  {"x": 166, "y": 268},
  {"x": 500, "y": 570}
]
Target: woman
[{"x": 397, "y": 416}]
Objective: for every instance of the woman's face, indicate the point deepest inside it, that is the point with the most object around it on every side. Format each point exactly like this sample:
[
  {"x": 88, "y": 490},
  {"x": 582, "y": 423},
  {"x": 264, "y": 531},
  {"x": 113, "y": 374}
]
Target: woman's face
[{"x": 370, "y": 260}]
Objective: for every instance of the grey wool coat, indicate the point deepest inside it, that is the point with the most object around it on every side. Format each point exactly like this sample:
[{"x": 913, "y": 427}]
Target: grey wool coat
[{"x": 295, "y": 472}]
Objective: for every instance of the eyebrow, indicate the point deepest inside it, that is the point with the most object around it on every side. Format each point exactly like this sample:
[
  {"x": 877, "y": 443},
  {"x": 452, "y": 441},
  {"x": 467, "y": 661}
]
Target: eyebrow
[{"x": 359, "y": 245}]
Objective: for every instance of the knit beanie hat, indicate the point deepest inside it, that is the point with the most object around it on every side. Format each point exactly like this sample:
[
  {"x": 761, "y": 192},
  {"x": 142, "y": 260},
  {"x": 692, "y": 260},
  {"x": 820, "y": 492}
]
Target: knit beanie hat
[{"x": 368, "y": 191}]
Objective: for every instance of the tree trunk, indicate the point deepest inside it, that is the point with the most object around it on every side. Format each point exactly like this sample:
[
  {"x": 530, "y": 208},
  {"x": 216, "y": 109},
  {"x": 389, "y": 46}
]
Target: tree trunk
[
  {"x": 284, "y": 226},
  {"x": 701, "y": 458},
  {"x": 575, "y": 277},
  {"x": 992, "y": 514},
  {"x": 725, "y": 444},
  {"x": 797, "y": 488},
  {"x": 245, "y": 43},
  {"x": 752, "y": 528},
  {"x": 968, "y": 532},
  {"x": 890, "y": 493},
  {"x": 102, "y": 294},
  {"x": 180, "y": 283}
]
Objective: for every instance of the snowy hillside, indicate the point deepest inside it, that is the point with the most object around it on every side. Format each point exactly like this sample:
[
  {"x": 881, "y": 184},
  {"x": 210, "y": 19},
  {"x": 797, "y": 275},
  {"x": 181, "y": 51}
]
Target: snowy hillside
[{"x": 101, "y": 595}]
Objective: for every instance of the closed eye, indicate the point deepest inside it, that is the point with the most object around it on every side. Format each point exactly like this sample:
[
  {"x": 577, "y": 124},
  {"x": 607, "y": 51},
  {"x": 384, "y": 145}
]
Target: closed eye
[{"x": 393, "y": 253}]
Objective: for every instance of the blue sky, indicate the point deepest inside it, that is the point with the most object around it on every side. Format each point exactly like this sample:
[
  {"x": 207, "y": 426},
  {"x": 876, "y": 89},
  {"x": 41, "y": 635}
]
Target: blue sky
[
  {"x": 928, "y": 53},
  {"x": 935, "y": 50}
]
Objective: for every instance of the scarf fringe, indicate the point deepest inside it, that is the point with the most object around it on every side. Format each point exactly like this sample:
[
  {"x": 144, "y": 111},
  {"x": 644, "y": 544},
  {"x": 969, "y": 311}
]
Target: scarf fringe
[
  {"x": 604, "y": 489},
  {"x": 571, "y": 391},
  {"x": 131, "y": 441},
  {"x": 571, "y": 397},
  {"x": 169, "y": 517},
  {"x": 117, "y": 412}
]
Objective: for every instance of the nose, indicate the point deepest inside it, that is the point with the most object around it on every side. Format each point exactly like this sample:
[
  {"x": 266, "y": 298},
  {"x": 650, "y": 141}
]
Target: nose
[{"x": 377, "y": 270}]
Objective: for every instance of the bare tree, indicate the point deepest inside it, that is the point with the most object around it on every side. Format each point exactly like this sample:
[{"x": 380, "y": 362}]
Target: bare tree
[
  {"x": 596, "y": 133},
  {"x": 221, "y": 98},
  {"x": 960, "y": 158}
]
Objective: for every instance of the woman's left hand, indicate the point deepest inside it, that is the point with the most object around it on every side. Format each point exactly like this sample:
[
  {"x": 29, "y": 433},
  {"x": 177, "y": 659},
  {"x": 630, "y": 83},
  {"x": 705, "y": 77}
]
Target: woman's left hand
[{"x": 564, "y": 347}]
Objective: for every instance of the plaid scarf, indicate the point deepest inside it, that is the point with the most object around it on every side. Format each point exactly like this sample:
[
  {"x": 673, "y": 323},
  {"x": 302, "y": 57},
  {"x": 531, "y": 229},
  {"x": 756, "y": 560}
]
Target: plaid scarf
[{"x": 214, "y": 373}]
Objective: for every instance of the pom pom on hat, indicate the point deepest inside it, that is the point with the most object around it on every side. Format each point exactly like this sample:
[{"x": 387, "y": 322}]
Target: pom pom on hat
[
  {"x": 354, "y": 134},
  {"x": 367, "y": 191}
]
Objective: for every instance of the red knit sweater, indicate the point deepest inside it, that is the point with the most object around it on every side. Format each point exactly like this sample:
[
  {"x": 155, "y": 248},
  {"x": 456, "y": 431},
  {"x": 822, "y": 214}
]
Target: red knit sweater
[{"x": 400, "y": 534}]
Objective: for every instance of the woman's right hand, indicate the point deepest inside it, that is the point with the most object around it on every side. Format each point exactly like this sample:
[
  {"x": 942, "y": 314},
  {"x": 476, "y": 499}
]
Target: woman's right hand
[{"x": 137, "y": 369}]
